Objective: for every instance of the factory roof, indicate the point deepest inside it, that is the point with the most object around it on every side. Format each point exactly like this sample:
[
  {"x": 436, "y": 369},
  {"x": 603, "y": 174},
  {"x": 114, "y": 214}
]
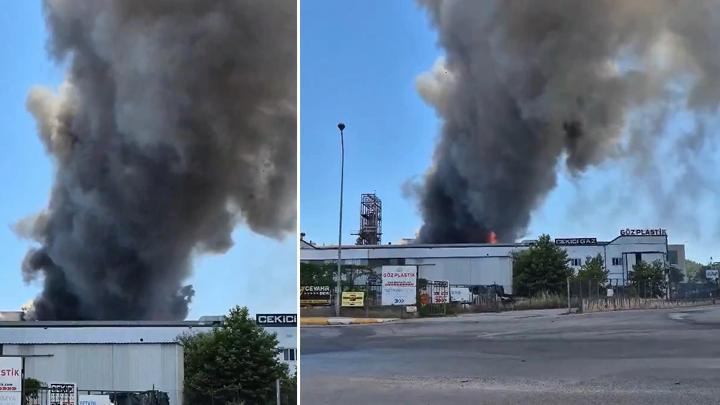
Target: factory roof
[{"x": 98, "y": 332}]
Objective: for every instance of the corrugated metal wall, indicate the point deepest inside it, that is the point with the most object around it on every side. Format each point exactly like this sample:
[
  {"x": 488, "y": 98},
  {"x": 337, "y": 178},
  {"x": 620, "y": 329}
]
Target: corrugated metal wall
[
  {"x": 467, "y": 271},
  {"x": 121, "y": 367}
]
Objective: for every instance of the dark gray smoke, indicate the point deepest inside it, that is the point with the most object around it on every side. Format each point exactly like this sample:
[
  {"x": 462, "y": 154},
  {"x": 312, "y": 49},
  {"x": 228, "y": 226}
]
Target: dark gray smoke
[
  {"x": 526, "y": 85},
  {"x": 175, "y": 123}
]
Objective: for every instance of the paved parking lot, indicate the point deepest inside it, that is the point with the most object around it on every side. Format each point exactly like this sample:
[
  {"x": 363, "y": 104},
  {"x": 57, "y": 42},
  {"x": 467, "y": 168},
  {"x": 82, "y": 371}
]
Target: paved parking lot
[{"x": 528, "y": 357}]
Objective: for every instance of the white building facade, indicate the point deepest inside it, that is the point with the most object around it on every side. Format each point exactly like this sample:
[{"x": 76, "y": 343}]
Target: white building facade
[
  {"x": 491, "y": 264},
  {"x": 117, "y": 356}
]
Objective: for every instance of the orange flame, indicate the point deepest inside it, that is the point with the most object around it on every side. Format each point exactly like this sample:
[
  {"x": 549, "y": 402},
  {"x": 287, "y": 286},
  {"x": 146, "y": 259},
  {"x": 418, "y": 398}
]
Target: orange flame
[{"x": 492, "y": 238}]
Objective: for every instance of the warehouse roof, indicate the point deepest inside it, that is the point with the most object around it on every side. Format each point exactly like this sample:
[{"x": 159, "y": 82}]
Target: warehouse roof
[{"x": 98, "y": 332}]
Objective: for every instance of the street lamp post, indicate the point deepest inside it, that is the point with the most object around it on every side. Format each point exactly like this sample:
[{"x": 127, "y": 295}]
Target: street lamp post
[{"x": 338, "y": 292}]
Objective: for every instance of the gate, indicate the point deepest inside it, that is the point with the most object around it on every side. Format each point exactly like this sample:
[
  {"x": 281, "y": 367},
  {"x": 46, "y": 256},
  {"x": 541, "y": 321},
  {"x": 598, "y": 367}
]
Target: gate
[
  {"x": 46, "y": 396},
  {"x": 433, "y": 297}
]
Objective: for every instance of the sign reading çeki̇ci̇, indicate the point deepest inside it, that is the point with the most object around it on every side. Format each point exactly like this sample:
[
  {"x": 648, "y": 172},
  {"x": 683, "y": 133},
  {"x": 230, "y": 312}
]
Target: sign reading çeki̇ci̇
[
  {"x": 276, "y": 319},
  {"x": 399, "y": 285}
]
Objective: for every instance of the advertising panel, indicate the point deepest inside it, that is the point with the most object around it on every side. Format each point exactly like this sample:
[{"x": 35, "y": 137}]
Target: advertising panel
[
  {"x": 712, "y": 274},
  {"x": 399, "y": 285},
  {"x": 311, "y": 295},
  {"x": 63, "y": 393},
  {"x": 440, "y": 292},
  {"x": 94, "y": 400},
  {"x": 353, "y": 299},
  {"x": 460, "y": 294},
  {"x": 10, "y": 380}
]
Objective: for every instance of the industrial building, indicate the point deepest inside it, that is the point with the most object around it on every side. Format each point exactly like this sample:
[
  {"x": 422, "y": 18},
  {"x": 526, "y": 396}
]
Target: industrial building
[
  {"x": 488, "y": 264},
  {"x": 117, "y": 355}
]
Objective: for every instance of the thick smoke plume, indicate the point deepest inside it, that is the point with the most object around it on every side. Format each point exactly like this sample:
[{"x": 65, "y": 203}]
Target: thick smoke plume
[
  {"x": 527, "y": 85},
  {"x": 175, "y": 123}
]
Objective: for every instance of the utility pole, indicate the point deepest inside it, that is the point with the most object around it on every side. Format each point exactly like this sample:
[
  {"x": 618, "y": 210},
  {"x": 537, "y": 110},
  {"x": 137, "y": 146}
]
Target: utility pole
[{"x": 338, "y": 292}]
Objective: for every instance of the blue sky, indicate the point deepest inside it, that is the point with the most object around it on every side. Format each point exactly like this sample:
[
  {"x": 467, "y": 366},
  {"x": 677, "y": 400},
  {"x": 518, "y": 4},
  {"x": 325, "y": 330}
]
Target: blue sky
[
  {"x": 359, "y": 62},
  {"x": 258, "y": 272}
]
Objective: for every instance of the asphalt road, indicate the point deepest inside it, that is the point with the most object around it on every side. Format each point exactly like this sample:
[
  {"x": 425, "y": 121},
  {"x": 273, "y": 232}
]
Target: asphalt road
[{"x": 529, "y": 357}]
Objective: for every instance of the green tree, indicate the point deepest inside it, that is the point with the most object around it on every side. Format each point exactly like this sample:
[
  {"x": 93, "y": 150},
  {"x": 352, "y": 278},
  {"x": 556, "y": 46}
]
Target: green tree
[
  {"x": 31, "y": 387},
  {"x": 675, "y": 275},
  {"x": 693, "y": 269},
  {"x": 543, "y": 267},
  {"x": 648, "y": 279},
  {"x": 594, "y": 269},
  {"x": 235, "y": 363},
  {"x": 317, "y": 274}
]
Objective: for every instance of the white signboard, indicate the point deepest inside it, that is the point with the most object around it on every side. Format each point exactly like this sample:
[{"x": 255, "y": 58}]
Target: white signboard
[
  {"x": 10, "y": 380},
  {"x": 399, "y": 285},
  {"x": 95, "y": 400},
  {"x": 712, "y": 274},
  {"x": 460, "y": 294},
  {"x": 610, "y": 292},
  {"x": 63, "y": 393},
  {"x": 440, "y": 292}
]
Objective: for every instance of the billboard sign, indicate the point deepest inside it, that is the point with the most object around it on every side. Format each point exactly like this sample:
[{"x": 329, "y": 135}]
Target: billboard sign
[
  {"x": 440, "y": 292},
  {"x": 353, "y": 299},
  {"x": 63, "y": 393},
  {"x": 460, "y": 294},
  {"x": 576, "y": 241},
  {"x": 399, "y": 285},
  {"x": 94, "y": 400},
  {"x": 643, "y": 232},
  {"x": 276, "y": 320},
  {"x": 711, "y": 274},
  {"x": 315, "y": 295},
  {"x": 10, "y": 380}
]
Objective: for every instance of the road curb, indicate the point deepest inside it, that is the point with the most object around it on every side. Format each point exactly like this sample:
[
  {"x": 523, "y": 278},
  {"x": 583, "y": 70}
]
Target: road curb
[{"x": 317, "y": 321}]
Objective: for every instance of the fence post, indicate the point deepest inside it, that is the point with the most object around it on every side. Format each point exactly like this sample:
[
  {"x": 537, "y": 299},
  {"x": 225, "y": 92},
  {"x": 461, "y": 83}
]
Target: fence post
[{"x": 568, "y": 293}]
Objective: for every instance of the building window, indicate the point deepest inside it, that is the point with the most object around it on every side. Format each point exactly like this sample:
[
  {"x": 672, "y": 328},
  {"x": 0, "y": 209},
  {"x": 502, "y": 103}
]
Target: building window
[
  {"x": 289, "y": 354},
  {"x": 617, "y": 261},
  {"x": 575, "y": 262},
  {"x": 673, "y": 256}
]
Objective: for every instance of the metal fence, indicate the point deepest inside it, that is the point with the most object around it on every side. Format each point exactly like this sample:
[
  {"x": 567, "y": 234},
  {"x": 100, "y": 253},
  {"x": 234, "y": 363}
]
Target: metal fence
[
  {"x": 433, "y": 298},
  {"x": 592, "y": 295},
  {"x": 45, "y": 396}
]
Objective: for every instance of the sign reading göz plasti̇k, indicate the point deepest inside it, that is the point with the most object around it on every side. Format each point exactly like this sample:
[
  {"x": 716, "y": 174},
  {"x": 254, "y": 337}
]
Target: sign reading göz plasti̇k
[
  {"x": 10, "y": 380},
  {"x": 399, "y": 285}
]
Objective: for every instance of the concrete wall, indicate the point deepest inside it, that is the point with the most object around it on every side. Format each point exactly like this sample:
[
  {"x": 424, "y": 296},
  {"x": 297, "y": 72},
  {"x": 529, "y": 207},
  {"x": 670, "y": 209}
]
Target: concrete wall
[{"x": 121, "y": 367}]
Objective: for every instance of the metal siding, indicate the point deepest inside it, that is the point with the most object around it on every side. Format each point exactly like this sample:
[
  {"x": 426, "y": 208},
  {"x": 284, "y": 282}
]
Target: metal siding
[
  {"x": 120, "y": 334},
  {"x": 469, "y": 271},
  {"x": 121, "y": 367}
]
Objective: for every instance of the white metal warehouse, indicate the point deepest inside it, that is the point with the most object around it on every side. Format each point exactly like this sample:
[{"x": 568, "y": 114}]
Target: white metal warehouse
[
  {"x": 113, "y": 355},
  {"x": 488, "y": 264}
]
